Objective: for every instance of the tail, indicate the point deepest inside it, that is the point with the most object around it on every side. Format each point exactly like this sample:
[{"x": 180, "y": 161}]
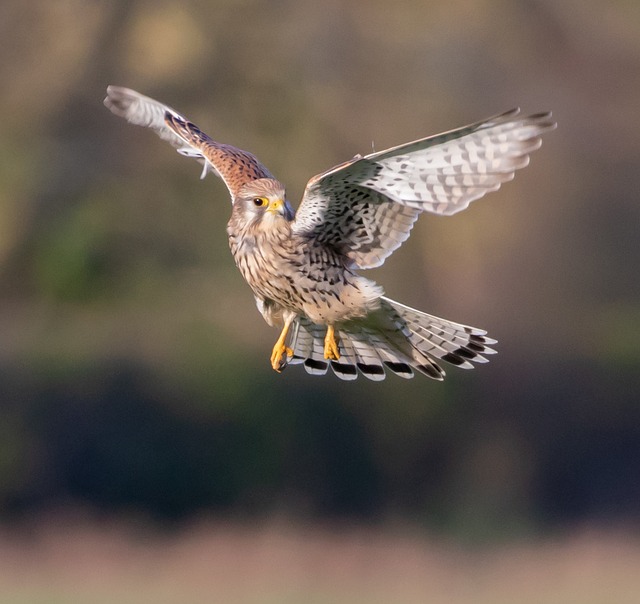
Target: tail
[{"x": 394, "y": 337}]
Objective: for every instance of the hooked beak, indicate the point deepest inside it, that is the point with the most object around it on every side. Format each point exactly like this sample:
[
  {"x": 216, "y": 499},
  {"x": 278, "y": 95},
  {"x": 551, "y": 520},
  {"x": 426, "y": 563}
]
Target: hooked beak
[
  {"x": 275, "y": 207},
  {"x": 281, "y": 207}
]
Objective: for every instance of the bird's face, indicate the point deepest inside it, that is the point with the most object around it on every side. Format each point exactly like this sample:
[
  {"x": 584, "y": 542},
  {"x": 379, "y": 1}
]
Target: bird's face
[{"x": 263, "y": 202}]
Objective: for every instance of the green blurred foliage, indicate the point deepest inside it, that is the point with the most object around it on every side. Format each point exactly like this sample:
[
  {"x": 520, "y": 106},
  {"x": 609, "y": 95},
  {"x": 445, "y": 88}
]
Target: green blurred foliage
[{"x": 133, "y": 365}]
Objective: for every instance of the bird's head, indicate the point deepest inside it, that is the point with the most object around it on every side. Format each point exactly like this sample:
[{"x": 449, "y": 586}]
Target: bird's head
[{"x": 263, "y": 201}]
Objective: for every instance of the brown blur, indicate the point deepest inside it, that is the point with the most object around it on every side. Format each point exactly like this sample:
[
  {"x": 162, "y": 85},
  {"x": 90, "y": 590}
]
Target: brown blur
[{"x": 134, "y": 374}]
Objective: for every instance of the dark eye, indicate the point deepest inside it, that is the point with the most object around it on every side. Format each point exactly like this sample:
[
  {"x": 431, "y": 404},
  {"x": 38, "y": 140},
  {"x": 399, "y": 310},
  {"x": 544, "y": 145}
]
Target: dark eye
[{"x": 260, "y": 202}]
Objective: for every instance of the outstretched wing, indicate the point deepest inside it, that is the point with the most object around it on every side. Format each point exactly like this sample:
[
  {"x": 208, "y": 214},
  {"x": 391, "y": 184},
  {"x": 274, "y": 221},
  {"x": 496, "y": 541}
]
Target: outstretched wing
[
  {"x": 234, "y": 166},
  {"x": 366, "y": 207}
]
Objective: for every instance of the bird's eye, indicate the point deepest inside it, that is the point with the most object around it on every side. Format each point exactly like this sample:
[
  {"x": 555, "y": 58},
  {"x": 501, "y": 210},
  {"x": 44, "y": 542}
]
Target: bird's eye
[{"x": 260, "y": 202}]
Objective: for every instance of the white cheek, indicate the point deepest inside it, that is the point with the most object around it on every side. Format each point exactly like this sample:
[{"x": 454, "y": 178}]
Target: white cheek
[
  {"x": 254, "y": 213},
  {"x": 269, "y": 219}
]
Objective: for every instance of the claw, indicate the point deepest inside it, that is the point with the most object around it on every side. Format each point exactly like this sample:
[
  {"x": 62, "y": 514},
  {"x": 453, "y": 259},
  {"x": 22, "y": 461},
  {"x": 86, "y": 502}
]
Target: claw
[
  {"x": 279, "y": 356},
  {"x": 281, "y": 351},
  {"x": 331, "y": 350}
]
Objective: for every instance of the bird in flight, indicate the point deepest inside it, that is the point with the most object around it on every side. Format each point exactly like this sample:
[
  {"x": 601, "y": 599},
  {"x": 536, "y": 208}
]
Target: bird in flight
[{"x": 303, "y": 265}]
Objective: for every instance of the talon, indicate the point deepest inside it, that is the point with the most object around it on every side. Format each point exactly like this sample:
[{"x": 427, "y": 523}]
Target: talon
[
  {"x": 279, "y": 357},
  {"x": 281, "y": 351},
  {"x": 331, "y": 350}
]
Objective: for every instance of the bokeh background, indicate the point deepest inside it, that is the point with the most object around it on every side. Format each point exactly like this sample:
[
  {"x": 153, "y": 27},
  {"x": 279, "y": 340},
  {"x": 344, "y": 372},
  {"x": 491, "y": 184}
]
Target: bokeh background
[{"x": 147, "y": 450}]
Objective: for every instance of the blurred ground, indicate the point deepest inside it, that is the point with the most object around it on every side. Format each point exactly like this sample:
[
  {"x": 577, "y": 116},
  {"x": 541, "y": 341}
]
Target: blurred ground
[
  {"x": 134, "y": 375},
  {"x": 224, "y": 562}
]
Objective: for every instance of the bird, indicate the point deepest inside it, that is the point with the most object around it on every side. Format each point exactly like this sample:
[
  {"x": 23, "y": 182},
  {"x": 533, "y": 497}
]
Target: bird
[{"x": 304, "y": 266}]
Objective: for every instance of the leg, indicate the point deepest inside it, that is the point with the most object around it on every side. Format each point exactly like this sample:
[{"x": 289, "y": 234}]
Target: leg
[
  {"x": 331, "y": 350},
  {"x": 280, "y": 351}
]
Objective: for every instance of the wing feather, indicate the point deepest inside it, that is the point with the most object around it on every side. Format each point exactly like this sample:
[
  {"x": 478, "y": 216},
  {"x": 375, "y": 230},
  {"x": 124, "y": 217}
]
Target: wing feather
[
  {"x": 366, "y": 207},
  {"x": 141, "y": 110},
  {"x": 233, "y": 165}
]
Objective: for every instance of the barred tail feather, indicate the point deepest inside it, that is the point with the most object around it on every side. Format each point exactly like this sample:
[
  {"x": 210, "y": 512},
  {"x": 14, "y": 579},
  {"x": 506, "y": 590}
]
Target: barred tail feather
[
  {"x": 458, "y": 344},
  {"x": 396, "y": 338},
  {"x": 368, "y": 359},
  {"x": 306, "y": 341}
]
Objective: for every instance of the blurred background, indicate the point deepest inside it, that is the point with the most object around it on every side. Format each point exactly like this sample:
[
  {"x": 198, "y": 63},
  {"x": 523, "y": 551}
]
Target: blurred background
[{"x": 147, "y": 450}]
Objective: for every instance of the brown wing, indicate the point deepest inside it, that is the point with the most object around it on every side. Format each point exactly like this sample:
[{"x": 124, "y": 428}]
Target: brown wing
[{"x": 234, "y": 166}]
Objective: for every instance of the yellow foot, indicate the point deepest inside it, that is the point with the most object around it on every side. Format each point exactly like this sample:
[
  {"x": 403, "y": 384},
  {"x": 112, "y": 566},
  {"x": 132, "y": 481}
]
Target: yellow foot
[
  {"x": 279, "y": 356},
  {"x": 280, "y": 350},
  {"x": 331, "y": 350}
]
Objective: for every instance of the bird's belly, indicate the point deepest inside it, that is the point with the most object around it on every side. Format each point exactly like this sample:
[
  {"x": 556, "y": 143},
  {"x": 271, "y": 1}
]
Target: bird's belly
[
  {"x": 325, "y": 293},
  {"x": 329, "y": 307},
  {"x": 325, "y": 301}
]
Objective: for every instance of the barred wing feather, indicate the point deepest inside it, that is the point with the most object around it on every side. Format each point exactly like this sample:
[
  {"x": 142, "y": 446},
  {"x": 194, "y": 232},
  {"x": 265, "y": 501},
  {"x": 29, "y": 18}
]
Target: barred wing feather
[
  {"x": 367, "y": 206},
  {"x": 141, "y": 110}
]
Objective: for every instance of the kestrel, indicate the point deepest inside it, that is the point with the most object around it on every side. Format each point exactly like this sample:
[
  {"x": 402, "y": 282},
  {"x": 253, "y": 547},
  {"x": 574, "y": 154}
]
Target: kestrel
[{"x": 303, "y": 266}]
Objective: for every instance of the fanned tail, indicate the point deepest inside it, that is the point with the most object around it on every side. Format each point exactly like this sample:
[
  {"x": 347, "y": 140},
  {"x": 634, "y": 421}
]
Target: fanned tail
[{"x": 395, "y": 338}]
